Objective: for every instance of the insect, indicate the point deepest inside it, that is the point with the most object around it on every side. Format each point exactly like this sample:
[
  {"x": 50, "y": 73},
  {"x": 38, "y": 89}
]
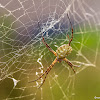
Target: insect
[{"x": 61, "y": 53}]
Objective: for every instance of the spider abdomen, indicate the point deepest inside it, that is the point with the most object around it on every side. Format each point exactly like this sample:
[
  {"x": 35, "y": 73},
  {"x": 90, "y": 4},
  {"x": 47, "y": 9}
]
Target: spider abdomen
[{"x": 63, "y": 50}]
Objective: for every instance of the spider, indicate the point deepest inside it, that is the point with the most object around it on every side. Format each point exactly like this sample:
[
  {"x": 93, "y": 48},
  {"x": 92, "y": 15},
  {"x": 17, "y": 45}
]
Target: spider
[{"x": 60, "y": 54}]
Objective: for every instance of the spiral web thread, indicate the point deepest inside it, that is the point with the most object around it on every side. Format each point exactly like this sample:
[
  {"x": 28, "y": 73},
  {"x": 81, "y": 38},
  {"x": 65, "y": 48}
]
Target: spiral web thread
[{"x": 23, "y": 56}]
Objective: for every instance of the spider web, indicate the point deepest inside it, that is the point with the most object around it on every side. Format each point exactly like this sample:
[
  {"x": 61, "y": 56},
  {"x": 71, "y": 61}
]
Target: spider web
[{"x": 23, "y": 56}]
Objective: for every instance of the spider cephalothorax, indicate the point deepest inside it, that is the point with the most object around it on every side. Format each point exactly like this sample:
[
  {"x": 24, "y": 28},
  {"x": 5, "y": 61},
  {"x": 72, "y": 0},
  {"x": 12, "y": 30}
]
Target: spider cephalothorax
[{"x": 60, "y": 54}]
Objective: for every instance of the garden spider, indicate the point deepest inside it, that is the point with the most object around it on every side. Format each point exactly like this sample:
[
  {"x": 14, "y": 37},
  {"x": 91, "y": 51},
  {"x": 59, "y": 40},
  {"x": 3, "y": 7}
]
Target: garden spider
[{"x": 60, "y": 54}]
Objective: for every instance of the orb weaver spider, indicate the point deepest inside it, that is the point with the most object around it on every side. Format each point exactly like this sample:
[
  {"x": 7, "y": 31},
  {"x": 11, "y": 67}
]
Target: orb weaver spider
[{"x": 60, "y": 54}]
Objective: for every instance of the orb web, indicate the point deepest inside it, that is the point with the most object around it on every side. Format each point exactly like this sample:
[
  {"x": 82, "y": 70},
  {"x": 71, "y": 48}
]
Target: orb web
[{"x": 23, "y": 56}]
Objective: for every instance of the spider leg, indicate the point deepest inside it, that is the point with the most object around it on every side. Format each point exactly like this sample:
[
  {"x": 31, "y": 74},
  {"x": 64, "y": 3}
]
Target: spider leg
[
  {"x": 69, "y": 63},
  {"x": 43, "y": 40},
  {"x": 68, "y": 36},
  {"x": 71, "y": 29},
  {"x": 38, "y": 78},
  {"x": 50, "y": 49},
  {"x": 44, "y": 79},
  {"x": 47, "y": 71}
]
